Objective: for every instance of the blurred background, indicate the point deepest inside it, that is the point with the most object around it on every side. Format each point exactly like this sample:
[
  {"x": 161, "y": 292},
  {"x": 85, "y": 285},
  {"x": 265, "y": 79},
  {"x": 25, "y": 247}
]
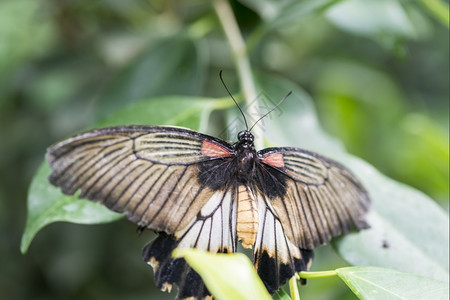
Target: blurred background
[{"x": 378, "y": 72}]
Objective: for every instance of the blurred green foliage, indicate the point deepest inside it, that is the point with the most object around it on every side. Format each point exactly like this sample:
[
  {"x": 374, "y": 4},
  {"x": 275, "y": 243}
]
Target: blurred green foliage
[{"x": 378, "y": 74}]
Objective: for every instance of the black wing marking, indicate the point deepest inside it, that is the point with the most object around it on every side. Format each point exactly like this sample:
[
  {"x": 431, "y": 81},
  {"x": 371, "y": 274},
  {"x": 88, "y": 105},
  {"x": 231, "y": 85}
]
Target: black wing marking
[{"x": 316, "y": 197}]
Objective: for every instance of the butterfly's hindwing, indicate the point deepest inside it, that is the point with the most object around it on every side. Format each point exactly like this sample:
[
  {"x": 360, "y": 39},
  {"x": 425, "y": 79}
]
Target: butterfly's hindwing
[
  {"x": 169, "y": 271},
  {"x": 275, "y": 257},
  {"x": 213, "y": 230}
]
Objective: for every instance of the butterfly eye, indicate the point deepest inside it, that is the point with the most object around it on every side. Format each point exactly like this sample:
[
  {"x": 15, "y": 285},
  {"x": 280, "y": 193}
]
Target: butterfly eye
[{"x": 241, "y": 135}]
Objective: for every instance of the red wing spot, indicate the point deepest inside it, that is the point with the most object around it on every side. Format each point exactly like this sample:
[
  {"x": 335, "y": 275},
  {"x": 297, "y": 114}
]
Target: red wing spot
[
  {"x": 274, "y": 159},
  {"x": 214, "y": 150}
]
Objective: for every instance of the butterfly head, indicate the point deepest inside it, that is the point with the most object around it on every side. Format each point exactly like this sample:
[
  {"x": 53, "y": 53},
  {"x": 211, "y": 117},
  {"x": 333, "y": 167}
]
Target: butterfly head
[
  {"x": 245, "y": 143},
  {"x": 245, "y": 137}
]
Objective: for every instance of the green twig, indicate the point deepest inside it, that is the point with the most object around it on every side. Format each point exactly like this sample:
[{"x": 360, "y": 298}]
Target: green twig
[
  {"x": 241, "y": 60},
  {"x": 293, "y": 288},
  {"x": 321, "y": 274}
]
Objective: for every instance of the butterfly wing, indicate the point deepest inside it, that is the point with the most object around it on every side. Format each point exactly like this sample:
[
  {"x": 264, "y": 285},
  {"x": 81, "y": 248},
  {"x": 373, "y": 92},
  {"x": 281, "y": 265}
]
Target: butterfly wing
[
  {"x": 168, "y": 179},
  {"x": 214, "y": 230},
  {"x": 150, "y": 173},
  {"x": 275, "y": 256},
  {"x": 304, "y": 200},
  {"x": 318, "y": 197}
]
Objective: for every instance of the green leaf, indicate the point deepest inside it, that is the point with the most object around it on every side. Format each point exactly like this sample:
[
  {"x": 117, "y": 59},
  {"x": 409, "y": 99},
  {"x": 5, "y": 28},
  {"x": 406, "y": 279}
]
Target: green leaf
[
  {"x": 46, "y": 204},
  {"x": 278, "y": 13},
  {"x": 409, "y": 231},
  {"x": 183, "y": 111},
  {"x": 172, "y": 64},
  {"x": 227, "y": 276},
  {"x": 371, "y": 18},
  {"x": 354, "y": 97},
  {"x": 380, "y": 283},
  {"x": 281, "y": 295}
]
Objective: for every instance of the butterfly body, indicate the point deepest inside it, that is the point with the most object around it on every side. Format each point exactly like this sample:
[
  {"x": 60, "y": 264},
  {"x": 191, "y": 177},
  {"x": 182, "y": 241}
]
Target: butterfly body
[
  {"x": 199, "y": 191},
  {"x": 247, "y": 217}
]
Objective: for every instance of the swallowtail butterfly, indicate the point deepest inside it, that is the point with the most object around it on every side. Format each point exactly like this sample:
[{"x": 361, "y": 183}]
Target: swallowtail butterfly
[{"x": 199, "y": 191}]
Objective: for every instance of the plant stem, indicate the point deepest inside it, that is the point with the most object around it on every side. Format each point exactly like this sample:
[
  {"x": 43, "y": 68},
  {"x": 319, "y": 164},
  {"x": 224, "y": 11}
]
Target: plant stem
[
  {"x": 439, "y": 10},
  {"x": 293, "y": 288},
  {"x": 321, "y": 274},
  {"x": 241, "y": 60}
]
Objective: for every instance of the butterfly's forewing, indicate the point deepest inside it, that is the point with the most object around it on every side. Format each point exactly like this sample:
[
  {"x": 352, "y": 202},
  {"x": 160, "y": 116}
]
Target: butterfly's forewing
[
  {"x": 167, "y": 179},
  {"x": 316, "y": 197},
  {"x": 151, "y": 173}
]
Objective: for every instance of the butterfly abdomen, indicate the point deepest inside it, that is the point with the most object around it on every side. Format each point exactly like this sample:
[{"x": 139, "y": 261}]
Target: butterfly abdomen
[{"x": 247, "y": 217}]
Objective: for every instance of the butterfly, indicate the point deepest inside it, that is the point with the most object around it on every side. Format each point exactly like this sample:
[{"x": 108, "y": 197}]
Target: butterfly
[{"x": 198, "y": 191}]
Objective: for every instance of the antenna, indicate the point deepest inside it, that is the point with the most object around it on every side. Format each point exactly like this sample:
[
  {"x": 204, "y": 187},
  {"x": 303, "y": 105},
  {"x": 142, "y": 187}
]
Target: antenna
[
  {"x": 242, "y": 113},
  {"x": 275, "y": 107}
]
